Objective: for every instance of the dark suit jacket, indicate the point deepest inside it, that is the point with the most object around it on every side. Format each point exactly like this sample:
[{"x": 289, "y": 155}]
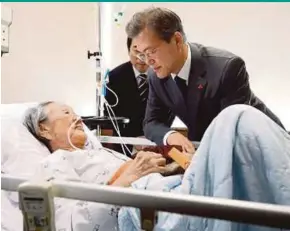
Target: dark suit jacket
[
  {"x": 217, "y": 80},
  {"x": 123, "y": 82}
]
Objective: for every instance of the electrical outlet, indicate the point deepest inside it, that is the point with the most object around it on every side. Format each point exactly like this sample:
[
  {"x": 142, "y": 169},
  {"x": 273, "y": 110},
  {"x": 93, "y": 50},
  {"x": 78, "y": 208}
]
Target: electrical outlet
[{"x": 4, "y": 38}]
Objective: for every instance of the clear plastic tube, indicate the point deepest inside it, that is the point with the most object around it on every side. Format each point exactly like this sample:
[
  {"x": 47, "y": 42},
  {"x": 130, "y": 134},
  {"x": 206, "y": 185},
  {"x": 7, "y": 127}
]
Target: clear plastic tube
[{"x": 69, "y": 131}]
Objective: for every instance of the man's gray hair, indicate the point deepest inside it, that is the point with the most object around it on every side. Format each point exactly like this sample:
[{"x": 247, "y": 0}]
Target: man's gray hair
[
  {"x": 162, "y": 21},
  {"x": 34, "y": 116}
]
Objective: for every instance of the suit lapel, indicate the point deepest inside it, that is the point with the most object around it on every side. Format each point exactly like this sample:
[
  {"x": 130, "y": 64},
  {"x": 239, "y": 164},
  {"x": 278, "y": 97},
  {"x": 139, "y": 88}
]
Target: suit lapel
[{"x": 196, "y": 85}]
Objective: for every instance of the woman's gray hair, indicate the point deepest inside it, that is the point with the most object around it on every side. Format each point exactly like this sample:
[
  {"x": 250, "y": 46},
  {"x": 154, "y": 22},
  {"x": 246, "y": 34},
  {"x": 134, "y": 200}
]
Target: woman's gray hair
[{"x": 33, "y": 118}]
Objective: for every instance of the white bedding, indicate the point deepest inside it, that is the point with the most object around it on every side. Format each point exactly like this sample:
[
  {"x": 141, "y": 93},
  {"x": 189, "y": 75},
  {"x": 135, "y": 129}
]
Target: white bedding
[{"x": 91, "y": 166}]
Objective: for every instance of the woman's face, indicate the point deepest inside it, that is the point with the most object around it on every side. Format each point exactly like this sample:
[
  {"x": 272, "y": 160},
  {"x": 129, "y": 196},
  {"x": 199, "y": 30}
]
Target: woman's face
[{"x": 55, "y": 128}]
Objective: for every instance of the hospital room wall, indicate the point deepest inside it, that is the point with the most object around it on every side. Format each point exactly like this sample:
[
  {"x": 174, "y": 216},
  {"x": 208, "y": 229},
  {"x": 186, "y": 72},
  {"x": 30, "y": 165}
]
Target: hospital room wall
[
  {"x": 48, "y": 55},
  {"x": 258, "y": 32}
]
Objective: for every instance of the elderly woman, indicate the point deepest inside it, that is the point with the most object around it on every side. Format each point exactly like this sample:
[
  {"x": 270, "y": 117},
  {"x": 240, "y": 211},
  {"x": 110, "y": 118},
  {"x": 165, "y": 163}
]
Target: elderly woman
[
  {"x": 62, "y": 132},
  {"x": 243, "y": 155}
]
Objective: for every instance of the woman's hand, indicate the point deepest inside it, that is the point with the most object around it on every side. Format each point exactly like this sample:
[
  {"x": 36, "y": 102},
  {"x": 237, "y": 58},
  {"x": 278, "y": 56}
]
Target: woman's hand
[{"x": 144, "y": 164}]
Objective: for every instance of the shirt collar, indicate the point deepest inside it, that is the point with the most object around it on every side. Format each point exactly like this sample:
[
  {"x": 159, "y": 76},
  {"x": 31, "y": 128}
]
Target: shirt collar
[
  {"x": 184, "y": 71},
  {"x": 137, "y": 73}
]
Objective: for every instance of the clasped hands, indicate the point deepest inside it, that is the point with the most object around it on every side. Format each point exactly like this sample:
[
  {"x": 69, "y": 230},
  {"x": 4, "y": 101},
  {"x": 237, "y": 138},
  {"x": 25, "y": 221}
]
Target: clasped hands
[{"x": 149, "y": 162}]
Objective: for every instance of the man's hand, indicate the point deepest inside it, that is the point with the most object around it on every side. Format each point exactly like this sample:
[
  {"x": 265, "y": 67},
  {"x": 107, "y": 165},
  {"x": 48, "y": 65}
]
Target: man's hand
[
  {"x": 144, "y": 164},
  {"x": 178, "y": 139}
]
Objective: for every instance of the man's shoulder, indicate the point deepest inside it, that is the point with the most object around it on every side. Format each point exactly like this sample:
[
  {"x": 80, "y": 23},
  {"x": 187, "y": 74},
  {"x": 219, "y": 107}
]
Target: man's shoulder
[
  {"x": 122, "y": 69},
  {"x": 210, "y": 52}
]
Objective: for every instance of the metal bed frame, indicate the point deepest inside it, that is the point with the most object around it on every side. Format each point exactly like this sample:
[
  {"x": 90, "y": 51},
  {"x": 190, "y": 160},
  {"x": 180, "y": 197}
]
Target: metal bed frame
[
  {"x": 151, "y": 201},
  {"x": 131, "y": 140}
]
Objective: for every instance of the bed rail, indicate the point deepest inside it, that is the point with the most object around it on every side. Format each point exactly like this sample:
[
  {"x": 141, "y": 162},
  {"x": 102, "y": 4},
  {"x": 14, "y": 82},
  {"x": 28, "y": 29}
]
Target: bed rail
[{"x": 224, "y": 209}]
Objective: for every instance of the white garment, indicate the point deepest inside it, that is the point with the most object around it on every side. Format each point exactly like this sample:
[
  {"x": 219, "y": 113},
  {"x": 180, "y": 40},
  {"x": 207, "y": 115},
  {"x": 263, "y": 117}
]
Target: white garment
[
  {"x": 91, "y": 166},
  {"x": 138, "y": 73}
]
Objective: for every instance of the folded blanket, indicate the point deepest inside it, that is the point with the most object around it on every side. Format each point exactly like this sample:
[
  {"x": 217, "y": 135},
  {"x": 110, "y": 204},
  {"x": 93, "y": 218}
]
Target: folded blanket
[{"x": 243, "y": 155}]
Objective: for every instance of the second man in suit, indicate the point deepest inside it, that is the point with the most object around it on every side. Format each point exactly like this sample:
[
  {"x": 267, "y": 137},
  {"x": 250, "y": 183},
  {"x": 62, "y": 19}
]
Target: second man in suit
[
  {"x": 129, "y": 82},
  {"x": 188, "y": 80}
]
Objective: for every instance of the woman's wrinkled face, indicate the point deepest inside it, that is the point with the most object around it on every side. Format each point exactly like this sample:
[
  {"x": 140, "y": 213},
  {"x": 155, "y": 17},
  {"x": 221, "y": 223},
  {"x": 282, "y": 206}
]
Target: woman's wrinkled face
[{"x": 55, "y": 128}]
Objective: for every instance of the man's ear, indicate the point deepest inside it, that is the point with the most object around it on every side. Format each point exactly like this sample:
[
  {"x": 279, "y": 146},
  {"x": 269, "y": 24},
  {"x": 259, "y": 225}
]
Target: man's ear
[
  {"x": 44, "y": 131},
  {"x": 178, "y": 39}
]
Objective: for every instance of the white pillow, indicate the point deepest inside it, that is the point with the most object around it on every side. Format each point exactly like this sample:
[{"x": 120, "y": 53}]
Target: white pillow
[
  {"x": 21, "y": 152},
  {"x": 15, "y": 110}
]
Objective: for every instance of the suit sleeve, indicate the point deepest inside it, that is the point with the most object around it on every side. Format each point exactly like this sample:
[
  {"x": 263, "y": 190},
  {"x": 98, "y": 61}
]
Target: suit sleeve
[{"x": 158, "y": 117}]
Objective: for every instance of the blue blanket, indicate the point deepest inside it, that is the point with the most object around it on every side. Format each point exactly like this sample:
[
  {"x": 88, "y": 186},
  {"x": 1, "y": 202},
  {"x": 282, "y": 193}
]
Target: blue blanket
[{"x": 244, "y": 155}]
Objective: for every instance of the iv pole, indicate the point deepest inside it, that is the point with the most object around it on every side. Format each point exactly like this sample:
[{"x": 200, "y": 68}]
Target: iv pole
[
  {"x": 105, "y": 16},
  {"x": 99, "y": 74}
]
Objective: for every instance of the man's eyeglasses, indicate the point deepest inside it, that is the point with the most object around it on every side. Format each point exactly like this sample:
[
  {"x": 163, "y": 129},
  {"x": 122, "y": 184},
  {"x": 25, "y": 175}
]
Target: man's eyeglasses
[{"x": 144, "y": 57}]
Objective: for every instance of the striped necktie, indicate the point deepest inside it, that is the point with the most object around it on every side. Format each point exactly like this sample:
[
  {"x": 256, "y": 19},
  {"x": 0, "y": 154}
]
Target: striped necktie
[{"x": 143, "y": 87}]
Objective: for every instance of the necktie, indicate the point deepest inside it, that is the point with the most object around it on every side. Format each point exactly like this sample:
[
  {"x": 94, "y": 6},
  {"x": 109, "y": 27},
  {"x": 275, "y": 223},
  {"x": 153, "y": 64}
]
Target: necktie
[
  {"x": 181, "y": 83},
  {"x": 143, "y": 87}
]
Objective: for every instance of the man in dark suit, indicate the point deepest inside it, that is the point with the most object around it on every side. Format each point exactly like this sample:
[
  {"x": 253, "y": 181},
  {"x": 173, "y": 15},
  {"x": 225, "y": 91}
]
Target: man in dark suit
[
  {"x": 187, "y": 80},
  {"x": 129, "y": 82}
]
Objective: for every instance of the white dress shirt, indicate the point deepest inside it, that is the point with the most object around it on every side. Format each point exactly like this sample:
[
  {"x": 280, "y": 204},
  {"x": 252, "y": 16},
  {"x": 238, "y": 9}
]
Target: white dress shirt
[
  {"x": 137, "y": 73},
  {"x": 183, "y": 74}
]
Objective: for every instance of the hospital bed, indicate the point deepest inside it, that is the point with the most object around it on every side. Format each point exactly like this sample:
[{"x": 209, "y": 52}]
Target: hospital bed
[{"x": 148, "y": 202}]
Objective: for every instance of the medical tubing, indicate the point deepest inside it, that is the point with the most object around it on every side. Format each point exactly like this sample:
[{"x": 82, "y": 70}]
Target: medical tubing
[
  {"x": 68, "y": 134},
  {"x": 116, "y": 127}
]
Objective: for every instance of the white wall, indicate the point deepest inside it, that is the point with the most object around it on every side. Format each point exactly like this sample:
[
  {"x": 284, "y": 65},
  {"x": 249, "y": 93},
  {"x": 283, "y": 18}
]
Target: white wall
[
  {"x": 48, "y": 54},
  {"x": 258, "y": 32}
]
